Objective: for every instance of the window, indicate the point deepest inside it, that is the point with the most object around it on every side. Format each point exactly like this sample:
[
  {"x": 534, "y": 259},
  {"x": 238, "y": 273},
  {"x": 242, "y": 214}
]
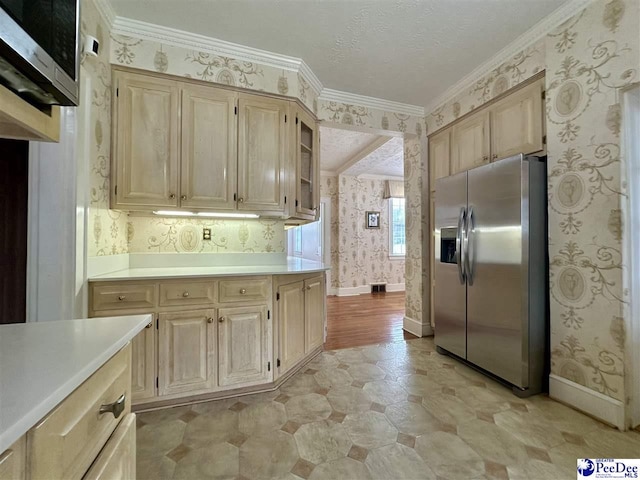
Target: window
[{"x": 397, "y": 238}]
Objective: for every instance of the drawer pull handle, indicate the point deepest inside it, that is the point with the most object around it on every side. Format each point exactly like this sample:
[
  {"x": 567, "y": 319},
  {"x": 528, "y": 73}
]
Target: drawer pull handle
[
  {"x": 221, "y": 320},
  {"x": 243, "y": 291},
  {"x": 185, "y": 294},
  {"x": 149, "y": 325},
  {"x": 116, "y": 407},
  {"x": 122, "y": 297}
]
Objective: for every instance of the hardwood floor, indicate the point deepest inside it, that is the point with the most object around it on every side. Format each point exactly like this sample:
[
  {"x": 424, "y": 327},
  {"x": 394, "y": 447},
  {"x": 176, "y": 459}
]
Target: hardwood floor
[{"x": 365, "y": 320}]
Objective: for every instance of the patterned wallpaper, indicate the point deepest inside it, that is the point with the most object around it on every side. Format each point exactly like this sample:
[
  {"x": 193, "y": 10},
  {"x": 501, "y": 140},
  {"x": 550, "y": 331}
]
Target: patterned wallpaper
[
  {"x": 162, "y": 234},
  {"x": 415, "y": 221},
  {"x": 518, "y": 69},
  {"x": 359, "y": 116},
  {"x": 363, "y": 253},
  {"x": 587, "y": 60},
  {"x": 329, "y": 188},
  {"x": 107, "y": 228}
]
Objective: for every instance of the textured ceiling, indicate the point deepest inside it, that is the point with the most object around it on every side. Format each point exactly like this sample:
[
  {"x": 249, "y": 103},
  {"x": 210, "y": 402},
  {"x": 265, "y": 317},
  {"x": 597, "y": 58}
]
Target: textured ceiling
[
  {"x": 407, "y": 51},
  {"x": 338, "y": 147},
  {"x": 388, "y": 160}
]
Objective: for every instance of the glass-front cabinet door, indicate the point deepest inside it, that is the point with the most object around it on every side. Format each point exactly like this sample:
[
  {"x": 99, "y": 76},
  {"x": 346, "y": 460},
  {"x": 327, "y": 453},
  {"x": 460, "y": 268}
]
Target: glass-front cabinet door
[{"x": 307, "y": 185}]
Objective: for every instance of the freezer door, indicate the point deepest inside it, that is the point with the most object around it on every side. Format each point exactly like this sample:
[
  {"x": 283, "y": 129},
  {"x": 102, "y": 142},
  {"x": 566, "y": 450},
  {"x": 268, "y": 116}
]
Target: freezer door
[
  {"x": 497, "y": 269},
  {"x": 450, "y": 286}
]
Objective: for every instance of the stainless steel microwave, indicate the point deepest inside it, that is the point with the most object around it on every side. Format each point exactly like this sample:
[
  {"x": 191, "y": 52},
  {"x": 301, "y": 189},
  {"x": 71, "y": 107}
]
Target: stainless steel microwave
[{"x": 39, "y": 50}]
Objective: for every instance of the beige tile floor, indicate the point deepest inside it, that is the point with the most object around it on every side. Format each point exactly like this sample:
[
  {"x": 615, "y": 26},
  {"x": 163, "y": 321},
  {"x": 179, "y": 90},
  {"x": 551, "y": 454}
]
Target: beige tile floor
[{"x": 392, "y": 412}]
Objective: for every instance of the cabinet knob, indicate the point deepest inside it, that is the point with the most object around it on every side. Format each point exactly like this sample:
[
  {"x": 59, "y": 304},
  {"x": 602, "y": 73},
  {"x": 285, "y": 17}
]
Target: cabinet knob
[
  {"x": 220, "y": 320},
  {"x": 240, "y": 200},
  {"x": 210, "y": 320},
  {"x": 116, "y": 408},
  {"x": 122, "y": 297},
  {"x": 485, "y": 158},
  {"x": 495, "y": 156},
  {"x": 172, "y": 196},
  {"x": 183, "y": 197},
  {"x": 149, "y": 325},
  {"x": 243, "y": 291},
  {"x": 185, "y": 294},
  {"x": 308, "y": 287}
]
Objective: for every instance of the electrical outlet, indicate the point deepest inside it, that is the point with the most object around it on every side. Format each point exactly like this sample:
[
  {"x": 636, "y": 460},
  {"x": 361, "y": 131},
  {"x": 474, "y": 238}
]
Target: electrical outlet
[{"x": 206, "y": 234}]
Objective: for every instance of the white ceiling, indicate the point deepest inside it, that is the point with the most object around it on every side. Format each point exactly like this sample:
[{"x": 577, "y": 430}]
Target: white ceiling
[
  {"x": 407, "y": 51},
  {"x": 339, "y": 148},
  {"x": 387, "y": 161}
]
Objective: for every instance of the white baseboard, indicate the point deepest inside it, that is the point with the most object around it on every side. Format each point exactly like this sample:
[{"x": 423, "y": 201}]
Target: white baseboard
[
  {"x": 416, "y": 327},
  {"x": 106, "y": 264},
  {"x": 362, "y": 289},
  {"x": 332, "y": 291},
  {"x": 596, "y": 404}
]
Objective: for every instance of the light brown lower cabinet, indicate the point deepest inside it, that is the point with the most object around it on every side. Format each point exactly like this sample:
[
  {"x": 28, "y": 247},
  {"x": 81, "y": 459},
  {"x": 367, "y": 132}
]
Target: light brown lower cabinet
[
  {"x": 186, "y": 353},
  {"x": 301, "y": 313},
  {"x": 243, "y": 353},
  {"x": 91, "y": 434},
  {"x": 118, "y": 458},
  {"x": 211, "y": 335},
  {"x": 13, "y": 461}
]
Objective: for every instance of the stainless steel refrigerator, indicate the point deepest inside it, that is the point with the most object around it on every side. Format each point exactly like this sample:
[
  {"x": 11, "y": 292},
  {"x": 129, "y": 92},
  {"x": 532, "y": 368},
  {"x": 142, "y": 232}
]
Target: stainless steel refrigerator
[{"x": 490, "y": 271}]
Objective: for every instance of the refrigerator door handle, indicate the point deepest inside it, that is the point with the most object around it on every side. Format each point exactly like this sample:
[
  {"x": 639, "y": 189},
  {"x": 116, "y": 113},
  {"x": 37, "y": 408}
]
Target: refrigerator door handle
[
  {"x": 468, "y": 246},
  {"x": 460, "y": 253}
]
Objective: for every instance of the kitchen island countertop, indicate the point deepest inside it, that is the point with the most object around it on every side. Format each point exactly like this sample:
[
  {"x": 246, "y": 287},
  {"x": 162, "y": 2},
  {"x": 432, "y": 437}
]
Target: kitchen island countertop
[{"x": 41, "y": 363}]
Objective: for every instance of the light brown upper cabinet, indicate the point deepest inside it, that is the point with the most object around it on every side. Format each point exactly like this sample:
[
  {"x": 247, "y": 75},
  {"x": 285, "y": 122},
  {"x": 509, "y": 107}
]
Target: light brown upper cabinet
[
  {"x": 307, "y": 194},
  {"x": 187, "y": 145},
  {"x": 262, "y": 149},
  {"x": 516, "y": 122},
  {"x": 146, "y": 145},
  {"x": 513, "y": 124},
  {"x": 209, "y": 165},
  {"x": 439, "y": 152},
  {"x": 470, "y": 143}
]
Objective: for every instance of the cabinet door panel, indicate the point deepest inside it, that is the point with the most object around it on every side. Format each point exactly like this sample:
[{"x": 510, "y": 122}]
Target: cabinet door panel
[
  {"x": 306, "y": 158},
  {"x": 146, "y": 141},
  {"x": 208, "y": 148},
  {"x": 186, "y": 351},
  {"x": 517, "y": 123},
  {"x": 262, "y": 153},
  {"x": 314, "y": 313},
  {"x": 242, "y": 355},
  {"x": 439, "y": 156},
  {"x": 13, "y": 460},
  {"x": 470, "y": 143},
  {"x": 292, "y": 325},
  {"x": 143, "y": 361}
]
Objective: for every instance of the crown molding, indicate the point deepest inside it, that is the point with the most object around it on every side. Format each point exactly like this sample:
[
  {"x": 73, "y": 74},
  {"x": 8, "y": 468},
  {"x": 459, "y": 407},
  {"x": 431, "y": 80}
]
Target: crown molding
[
  {"x": 181, "y": 38},
  {"x": 528, "y": 38},
  {"x": 375, "y": 176},
  {"x": 106, "y": 11},
  {"x": 330, "y": 95},
  {"x": 310, "y": 77}
]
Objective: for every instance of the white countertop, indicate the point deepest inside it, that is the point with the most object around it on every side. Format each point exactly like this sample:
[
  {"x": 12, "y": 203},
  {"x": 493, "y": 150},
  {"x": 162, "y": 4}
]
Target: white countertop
[
  {"x": 41, "y": 363},
  {"x": 293, "y": 265}
]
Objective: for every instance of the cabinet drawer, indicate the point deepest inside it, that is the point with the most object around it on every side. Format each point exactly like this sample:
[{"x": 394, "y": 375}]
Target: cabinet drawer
[
  {"x": 244, "y": 290},
  {"x": 118, "y": 457},
  {"x": 66, "y": 442},
  {"x": 123, "y": 296},
  {"x": 187, "y": 293}
]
